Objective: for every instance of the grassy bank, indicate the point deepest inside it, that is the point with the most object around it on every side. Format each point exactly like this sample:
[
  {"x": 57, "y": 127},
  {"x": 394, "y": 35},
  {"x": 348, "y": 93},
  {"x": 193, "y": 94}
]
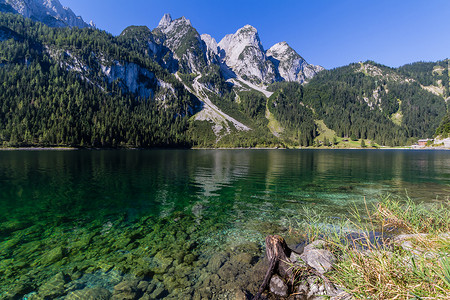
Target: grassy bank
[{"x": 401, "y": 252}]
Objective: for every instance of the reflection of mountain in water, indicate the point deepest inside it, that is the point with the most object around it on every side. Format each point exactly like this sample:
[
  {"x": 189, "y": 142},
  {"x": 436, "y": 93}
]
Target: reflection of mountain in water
[
  {"x": 215, "y": 171},
  {"x": 224, "y": 167}
]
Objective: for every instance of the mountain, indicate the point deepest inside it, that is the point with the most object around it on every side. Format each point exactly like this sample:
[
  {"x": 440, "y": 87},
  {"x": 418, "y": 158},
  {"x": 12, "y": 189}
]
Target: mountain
[
  {"x": 375, "y": 102},
  {"x": 85, "y": 87},
  {"x": 184, "y": 41},
  {"x": 171, "y": 86},
  {"x": 244, "y": 54},
  {"x": 291, "y": 66},
  {"x": 49, "y": 12}
]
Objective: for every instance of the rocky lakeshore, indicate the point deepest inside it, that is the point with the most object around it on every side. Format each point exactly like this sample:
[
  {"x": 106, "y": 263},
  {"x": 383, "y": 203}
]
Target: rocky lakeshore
[
  {"x": 151, "y": 259},
  {"x": 165, "y": 259}
]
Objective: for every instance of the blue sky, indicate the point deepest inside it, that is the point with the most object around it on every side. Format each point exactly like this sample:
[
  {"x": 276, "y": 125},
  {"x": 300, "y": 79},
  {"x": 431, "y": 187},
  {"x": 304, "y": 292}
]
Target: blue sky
[{"x": 330, "y": 33}]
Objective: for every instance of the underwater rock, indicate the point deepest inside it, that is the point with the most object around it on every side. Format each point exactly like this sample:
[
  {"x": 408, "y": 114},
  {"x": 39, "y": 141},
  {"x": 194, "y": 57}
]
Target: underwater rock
[
  {"x": 216, "y": 261},
  {"x": 143, "y": 285},
  {"x": 278, "y": 287},
  {"x": 189, "y": 259},
  {"x": 126, "y": 290},
  {"x": 159, "y": 292},
  {"x": 21, "y": 289},
  {"x": 241, "y": 258},
  {"x": 53, "y": 256},
  {"x": 240, "y": 295},
  {"x": 54, "y": 287},
  {"x": 227, "y": 272},
  {"x": 90, "y": 294},
  {"x": 163, "y": 263}
]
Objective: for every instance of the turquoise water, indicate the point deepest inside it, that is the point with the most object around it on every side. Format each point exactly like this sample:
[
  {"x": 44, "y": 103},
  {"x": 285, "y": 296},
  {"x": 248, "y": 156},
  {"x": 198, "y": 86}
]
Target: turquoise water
[{"x": 101, "y": 217}]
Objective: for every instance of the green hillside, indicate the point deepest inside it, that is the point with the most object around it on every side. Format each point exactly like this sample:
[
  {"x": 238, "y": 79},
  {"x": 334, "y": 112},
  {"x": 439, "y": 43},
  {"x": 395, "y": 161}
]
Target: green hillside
[{"x": 87, "y": 88}]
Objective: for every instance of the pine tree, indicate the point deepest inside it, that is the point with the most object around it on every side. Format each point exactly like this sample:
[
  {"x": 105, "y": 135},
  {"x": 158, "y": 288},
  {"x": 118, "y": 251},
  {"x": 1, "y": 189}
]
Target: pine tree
[{"x": 363, "y": 144}]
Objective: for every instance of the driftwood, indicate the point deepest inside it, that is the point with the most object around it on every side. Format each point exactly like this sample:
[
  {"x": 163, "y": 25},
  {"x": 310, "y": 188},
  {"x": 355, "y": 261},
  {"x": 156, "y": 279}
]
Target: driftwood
[{"x": 277, "y": 253}]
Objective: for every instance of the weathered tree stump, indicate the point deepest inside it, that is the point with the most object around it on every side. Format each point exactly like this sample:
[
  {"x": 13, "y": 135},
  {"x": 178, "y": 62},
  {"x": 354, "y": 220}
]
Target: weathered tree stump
[{"x": 277, "y": 252}]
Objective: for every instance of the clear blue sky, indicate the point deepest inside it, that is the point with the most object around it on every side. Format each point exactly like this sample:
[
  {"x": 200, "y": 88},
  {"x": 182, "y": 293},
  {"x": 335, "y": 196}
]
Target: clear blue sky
[{"x": 330, "y": 33}]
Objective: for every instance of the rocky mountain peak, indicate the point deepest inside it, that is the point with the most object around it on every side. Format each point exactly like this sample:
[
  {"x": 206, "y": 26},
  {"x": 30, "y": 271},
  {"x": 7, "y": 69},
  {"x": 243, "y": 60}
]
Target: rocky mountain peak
[
  {"x": 248, "y": 29},
  {"x": 181, "y": 38},
  {"x": 245, "y": 55},
  {"x": 212, "y": 49},
  {"x": 165, "y": 20},
  {"x": 282, "y": 49},
  {"x": 291, "y": 66},
  {"x": 49, "y": 12},
  {"x": 167, "y": 24},
  {"x": 210, "y": 42}
]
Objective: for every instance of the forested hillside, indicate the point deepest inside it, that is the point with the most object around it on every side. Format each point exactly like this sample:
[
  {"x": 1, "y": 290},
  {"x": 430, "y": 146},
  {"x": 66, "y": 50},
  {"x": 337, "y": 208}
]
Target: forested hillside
[
  {"x": 43, "y": 103},
  {"x": 87, "y": 88},
  {"x": 374, "y": 102}
]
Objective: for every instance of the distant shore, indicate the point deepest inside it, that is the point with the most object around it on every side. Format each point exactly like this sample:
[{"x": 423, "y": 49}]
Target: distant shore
[
  {"x": 218, "y": 148},
  {"x": 38, "y": 149}
]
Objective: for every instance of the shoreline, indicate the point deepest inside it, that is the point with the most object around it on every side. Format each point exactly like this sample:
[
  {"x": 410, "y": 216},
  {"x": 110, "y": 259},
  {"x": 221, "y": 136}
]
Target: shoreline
[
  {"x": 39, "y": 149},
  {"x": 219, "y": 148}
]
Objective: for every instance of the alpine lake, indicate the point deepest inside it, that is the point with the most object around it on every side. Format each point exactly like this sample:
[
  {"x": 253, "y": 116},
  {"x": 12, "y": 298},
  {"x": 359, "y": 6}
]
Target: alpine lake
[{"x": 180, "y": 224}]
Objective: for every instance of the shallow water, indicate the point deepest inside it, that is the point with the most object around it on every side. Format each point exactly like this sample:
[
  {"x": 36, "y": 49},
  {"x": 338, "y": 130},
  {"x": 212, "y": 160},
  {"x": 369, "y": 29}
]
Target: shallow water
[{"x": 104, "y": 216}]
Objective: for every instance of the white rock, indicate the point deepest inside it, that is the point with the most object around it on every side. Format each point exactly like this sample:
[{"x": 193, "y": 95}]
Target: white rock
[
  {"x": 291, "y": 66},
  {"x": 245, "y": 55},
  {"x": 41, "y": 10},
  {"x": 212, "y": 49},
  {"x": 165, "y": 21}
]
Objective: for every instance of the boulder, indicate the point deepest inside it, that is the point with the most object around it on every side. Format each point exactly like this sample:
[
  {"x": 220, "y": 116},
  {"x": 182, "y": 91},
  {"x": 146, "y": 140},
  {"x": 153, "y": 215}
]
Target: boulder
[
  {"x": 278, "y": 286},
  {"x": 90, "y": 294},
  {"x": 318, "y": 258},
  {"x": 54, "y": 287},
  {"x": 126, "y": 290},
  {"x": 216, "y": 261}
]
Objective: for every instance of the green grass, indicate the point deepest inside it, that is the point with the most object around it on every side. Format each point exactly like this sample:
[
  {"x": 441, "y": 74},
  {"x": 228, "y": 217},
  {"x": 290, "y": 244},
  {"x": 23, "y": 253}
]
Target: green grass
[
  {"x": 397, "y": 117},
  {"x": 414, "y": 267},
  {"x": 324, "y": 131},
  {"x": 273, "y": 125}
]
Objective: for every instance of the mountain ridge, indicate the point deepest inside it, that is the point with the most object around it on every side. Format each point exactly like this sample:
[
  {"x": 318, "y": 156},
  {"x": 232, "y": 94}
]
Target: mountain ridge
[
  {"x": 50, "y": 12},
  {"x": 226, "y": 94}
]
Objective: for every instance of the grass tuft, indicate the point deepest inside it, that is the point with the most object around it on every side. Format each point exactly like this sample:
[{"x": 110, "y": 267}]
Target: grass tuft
[{"x": 401, "y": 252}]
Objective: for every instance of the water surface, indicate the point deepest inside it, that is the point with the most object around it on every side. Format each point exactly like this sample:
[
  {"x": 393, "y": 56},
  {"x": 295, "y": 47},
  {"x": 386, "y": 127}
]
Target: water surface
[{"x": 131, "y": 212}]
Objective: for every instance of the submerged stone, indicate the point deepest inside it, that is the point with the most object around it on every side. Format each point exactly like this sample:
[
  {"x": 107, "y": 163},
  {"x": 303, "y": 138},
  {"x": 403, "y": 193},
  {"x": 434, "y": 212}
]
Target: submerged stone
[
  {"x": 53, "y": 256},
  {"x": 216, "y": 261},
  {"x": 90, "y": 294},
  {"x": 54, "y": 287},
  {"x": 241, "y": 258},
  {"x": 278, "y": 286},
  {"x": 126, "y": 290}
]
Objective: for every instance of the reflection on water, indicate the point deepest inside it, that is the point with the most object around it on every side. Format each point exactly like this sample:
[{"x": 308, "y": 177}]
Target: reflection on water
[
  {"x": 80, "y": 184},
  {"x": 222, "y": 197}
]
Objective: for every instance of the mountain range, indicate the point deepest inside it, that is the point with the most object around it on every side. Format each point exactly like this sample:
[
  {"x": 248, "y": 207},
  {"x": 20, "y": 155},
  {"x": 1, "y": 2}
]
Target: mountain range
[
  {"x": 50, "y": 12},
  {"x": 68, "y": 83}
]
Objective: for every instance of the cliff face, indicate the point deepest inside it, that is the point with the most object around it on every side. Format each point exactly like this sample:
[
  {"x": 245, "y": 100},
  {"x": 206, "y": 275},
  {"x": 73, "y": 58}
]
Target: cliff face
[
  {"x": 49, "y": 12},
  {"x": 244, "y": 54},
  {"x": 291, "y": 66}
]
